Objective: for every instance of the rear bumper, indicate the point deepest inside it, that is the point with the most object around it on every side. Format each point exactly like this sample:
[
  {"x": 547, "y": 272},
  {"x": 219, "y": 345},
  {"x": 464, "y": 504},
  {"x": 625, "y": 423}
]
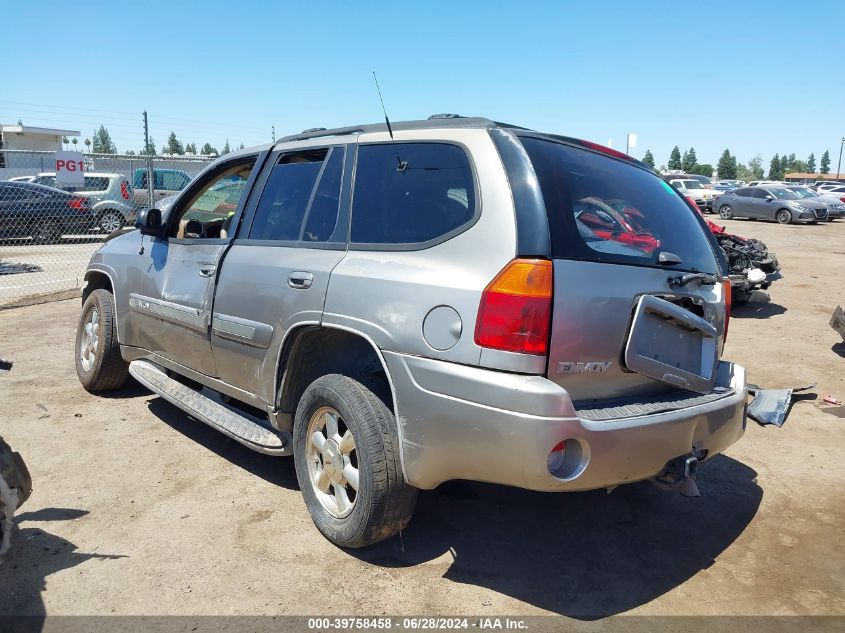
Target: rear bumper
[{"x": 459, "y": 422}]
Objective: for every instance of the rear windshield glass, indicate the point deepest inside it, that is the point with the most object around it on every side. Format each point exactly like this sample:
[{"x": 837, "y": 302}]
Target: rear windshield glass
[
  {"x": 94, "y": 183},
  {"x": 601, "y": 209}
]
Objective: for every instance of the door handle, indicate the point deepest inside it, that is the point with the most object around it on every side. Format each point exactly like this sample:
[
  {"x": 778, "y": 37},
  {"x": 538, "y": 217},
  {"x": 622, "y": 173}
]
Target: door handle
[
  {"x": 207, "y": 270},
  {"x": 300, "y": 279}
]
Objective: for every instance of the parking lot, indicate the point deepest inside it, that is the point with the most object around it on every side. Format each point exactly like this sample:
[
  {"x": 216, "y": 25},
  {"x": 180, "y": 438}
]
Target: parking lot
[{"x": 138, "y": 509}]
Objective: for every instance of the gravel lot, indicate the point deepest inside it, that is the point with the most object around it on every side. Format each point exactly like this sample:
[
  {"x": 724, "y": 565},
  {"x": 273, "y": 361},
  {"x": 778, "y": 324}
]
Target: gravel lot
[{"x": 139, "y": 510}]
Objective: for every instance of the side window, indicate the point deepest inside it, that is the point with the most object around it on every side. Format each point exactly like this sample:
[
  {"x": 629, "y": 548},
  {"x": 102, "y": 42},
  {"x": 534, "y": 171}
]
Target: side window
[
  {"x": 409, "y": 193},
  {"x": 293, "y": 206},
  {"x": 95, "y": 183},
  {"x": 141, "y": 179},
  {"x": 47, "y": 181},
  {"x": 209, "y": 212},
  {"x": 743, "y": 193},
  {"x": 759, "y": 193}
]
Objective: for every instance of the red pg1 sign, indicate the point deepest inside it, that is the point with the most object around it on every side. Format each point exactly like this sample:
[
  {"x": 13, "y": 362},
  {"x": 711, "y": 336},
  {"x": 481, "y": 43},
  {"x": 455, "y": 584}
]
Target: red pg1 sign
[{"x": 69, "y": 168}]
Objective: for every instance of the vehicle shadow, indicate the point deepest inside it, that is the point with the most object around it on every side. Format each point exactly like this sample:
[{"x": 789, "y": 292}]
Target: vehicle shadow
[
  {"x": 34, "y": 555},
  {"x": 838, "y": 348},
  {"x": 759, "y": 307},
  {"x": 583, "y": 555},
  {"x": 275, "y": 470}
]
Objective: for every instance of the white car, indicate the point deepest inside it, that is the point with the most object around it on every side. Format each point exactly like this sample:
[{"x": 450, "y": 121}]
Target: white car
[
  {"x": 22, "y": 179},
  {"x": 702, "y": 196}
]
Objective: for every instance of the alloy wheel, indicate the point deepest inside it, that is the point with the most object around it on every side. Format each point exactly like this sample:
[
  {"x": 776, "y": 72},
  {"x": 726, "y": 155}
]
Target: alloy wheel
[
  {"x": 90, "y": 340},
  {"x": 332, "y": 462}
]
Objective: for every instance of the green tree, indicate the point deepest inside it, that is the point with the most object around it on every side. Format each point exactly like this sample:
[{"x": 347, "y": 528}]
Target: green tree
[
  {"x": 102, "y": 142},
  {"x": 811, "y": 164},
  {"x": 726, "y": 166},
  {"x": 755, "y": 167},
  {"x": 674, "y": 158},
  {"x": 174, "y": 146},
  {"x": 74, "y": 141},
  {"x": 241, "y": 146},
  {"x": 784, "y": 165},
  {"x": 825, "y": 162},
  {"x": 207, "y": 149},
  {"x": 191, "y": 148},
  {"x": 65, "y": 141},
  {"x": 702, "y": 169},
  {"x": 689, "y": 161},
  {"x": 797, "y": 166},
  {"x": 648, "y": 159},
  {"x": 130, "y": 152},
  {"x": 150, "y": 149},
  {"x": 775, "y": 172},
  {"x": 87, "y": 142},
  {"x": 226, "y": 148}
]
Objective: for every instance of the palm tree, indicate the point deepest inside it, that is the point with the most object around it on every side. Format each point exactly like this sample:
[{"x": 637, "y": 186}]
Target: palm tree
[
  {"x": 88, "y": 143},
  {"x": 65, "y": 141},
  {"x": 74, "y": 140}
]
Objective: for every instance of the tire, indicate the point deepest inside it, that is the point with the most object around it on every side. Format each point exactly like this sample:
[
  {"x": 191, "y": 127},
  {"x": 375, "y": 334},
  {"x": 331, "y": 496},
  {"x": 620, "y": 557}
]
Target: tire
[
  {"x": 110, "y": 221},
  {"x": 725, "y": 212},
  {"x": 45, "y": 232},
  {"x": 783, "y": 216},
  {"x": 99, "y": 365},
  {"x": 383, "y": 503}
]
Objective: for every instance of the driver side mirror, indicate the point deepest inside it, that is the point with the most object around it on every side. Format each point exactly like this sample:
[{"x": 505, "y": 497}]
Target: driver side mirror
[
  {"x": 149, "y": 222},
  {"x": 769, "y": 198}
]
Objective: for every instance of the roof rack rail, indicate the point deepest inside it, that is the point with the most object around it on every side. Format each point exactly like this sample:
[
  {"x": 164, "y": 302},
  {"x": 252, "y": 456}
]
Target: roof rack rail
[
  {"x": 319, "y": 132},
  {"x": 313, "y": 129},
  {"x": 445, "y": 115}
]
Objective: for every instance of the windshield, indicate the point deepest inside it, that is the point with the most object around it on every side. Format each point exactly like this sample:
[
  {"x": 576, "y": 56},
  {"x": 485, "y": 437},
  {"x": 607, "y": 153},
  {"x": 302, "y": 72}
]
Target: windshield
[
  {"x": 784, "y": 194},
  {"x": 690, "y": 184},
  {"x": 805, "y": 193},
  {"x": 604, "y": 209}
]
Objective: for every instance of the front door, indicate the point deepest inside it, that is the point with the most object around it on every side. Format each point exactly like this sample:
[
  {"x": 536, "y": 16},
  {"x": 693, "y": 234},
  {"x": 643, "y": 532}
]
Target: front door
[
  {"x": 172, "y": 285},
  {"x": 276, "y": 274}
]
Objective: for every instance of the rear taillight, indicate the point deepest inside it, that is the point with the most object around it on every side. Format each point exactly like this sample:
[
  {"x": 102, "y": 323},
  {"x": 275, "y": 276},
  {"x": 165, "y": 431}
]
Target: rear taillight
[
  {"x": 726, "y": 291},
  {"x": 516, "y": 308},
  {"x": 80, "y": 204},
  {"x": 842, "y": 199},
  {"x": 124, "y": 190}
]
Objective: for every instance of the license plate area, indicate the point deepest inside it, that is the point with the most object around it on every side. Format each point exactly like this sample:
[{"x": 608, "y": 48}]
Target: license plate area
[{"x": 671, "y": 344}]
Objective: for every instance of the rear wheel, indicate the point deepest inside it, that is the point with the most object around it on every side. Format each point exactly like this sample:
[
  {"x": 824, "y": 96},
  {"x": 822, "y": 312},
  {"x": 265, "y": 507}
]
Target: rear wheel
[
  {"x": 111, "y": 221},
  {"x": 346, "y": 450},
  {"x": 725, "y": 212},
  {"x": 99, "y": 365},
  {"x": 783, "y": 216}
]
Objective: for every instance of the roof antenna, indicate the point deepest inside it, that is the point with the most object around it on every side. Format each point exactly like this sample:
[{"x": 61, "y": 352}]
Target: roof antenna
[{"x": 401, "y": 164}]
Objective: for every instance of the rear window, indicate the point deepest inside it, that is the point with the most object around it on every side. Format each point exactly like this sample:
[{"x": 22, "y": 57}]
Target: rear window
[
  {"x": 602, "y": 209},
  {"x": 95, "y": 183}
]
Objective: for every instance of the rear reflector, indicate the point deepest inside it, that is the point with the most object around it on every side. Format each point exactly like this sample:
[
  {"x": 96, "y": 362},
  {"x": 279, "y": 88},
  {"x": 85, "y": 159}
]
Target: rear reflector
[
  {"x": 726, "y": 291},
  {"x": 124, "y": 189},
  {"x": 516, "y": 308}
]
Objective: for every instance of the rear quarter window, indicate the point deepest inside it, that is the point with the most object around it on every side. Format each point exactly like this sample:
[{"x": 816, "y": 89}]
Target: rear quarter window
[
  {"x": 411, "y": 194},
  {"x": 96, "y": 183},
  {"x": 603, "y": 209}
]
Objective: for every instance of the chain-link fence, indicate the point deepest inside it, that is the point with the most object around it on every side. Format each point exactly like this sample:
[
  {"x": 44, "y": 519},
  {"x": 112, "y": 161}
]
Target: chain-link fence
[{"x": 48, "y": 230}]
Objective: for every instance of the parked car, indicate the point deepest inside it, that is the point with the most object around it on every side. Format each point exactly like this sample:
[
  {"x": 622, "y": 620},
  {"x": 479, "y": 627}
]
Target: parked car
[
  {"x": 42, "y": 213},
  {"x": 408, "y": 335},
  {"x": 831, "y": 188},
  {"x": 22, "y": 179},
  {"x": 835, "y": 203},
  {"x": 821, "y": 185},
  {"x": 110, "y": 195},
  {"x": 769, "y": 203},
  {"x": 731, "y": 184},
  {"x": 166, "y": 182},
  {"x": 703, "y": 197}
]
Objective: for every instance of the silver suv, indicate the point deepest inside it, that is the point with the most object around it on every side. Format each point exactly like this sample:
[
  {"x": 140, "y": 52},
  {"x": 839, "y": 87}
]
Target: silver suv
[
  {"x": 111, "y": 198},
  {"x": 444, "y": 299}
]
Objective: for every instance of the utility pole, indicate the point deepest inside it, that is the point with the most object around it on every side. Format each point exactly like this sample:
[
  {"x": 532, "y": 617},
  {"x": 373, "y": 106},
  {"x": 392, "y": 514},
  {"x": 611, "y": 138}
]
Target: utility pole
[
  {"x": 149, "y": 160},
  {"x": 839, "y": 164}
]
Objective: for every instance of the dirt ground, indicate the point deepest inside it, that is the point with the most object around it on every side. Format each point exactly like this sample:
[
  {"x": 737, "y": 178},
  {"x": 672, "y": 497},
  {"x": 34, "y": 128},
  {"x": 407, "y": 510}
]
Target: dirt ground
[{"x": 139, "y": 510}]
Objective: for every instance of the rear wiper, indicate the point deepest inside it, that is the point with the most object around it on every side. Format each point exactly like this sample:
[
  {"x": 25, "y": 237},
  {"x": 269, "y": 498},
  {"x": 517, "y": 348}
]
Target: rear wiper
[
  {"x": 669, "y": 259},
  {"x": 683, "y": 280}
]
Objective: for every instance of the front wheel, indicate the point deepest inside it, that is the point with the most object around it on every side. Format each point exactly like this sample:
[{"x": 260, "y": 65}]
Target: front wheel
[
  {"x": 46, "y": 232},
  {"x": 346, "y": 450},
  {"x": 783, "y": 216},
  {"x": 111, "y": 221},
  {"x": 725, "y": 212},
  {"x": 99, "y": 365}
]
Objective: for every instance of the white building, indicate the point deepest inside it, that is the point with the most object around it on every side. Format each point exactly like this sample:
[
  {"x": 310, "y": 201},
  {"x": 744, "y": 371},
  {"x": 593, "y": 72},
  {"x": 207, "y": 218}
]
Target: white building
[{"x": 29, "y": 141}]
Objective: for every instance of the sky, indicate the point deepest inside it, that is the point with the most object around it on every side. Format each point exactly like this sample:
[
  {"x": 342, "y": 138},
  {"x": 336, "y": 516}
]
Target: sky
[{"x": 754, "y": 77}]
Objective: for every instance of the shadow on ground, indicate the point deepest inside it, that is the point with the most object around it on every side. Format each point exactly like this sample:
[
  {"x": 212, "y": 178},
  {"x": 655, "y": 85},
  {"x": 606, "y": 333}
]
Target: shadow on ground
[
  {"x": 583, "y": 555},
  {"x": 757, "y": 309},
  {"x": 838, "y": 349},
  {"x": 34, "y": 555},
  {"x": 276, "y": 470}
]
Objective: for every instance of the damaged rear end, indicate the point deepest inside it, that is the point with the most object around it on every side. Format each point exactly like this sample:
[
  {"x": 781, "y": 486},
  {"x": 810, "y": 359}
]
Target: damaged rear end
[{"x": 638, "y": 325}]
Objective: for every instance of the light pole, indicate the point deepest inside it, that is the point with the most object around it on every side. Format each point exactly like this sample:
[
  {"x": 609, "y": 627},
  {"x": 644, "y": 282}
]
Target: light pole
[{"x": 839, "y": 164}]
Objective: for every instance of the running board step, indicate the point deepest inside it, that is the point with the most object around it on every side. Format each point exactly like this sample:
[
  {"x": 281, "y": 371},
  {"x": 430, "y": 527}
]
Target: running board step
[{"x": 241, "y": 428}]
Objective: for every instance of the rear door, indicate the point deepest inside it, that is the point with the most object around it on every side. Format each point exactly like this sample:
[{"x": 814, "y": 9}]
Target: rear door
[
  {"x": 742, "y": 201},
  {"x": 759, "y": 205},
  {"x": 620, "y": 326},
  {"x": 277, "y": 272}
]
